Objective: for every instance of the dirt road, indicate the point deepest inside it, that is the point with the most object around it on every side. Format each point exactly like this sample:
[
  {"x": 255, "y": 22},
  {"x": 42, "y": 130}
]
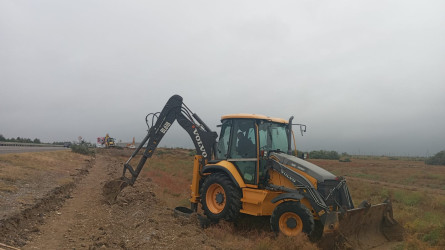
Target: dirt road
[
  {"x": 12, "y": 149},
  {"x": 84, "y": 221}
]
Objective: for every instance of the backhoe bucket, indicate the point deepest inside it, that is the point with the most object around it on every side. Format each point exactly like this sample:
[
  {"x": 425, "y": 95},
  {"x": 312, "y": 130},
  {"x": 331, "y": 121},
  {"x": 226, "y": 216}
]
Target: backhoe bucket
[
  {"x": 112, "y": 188},
  {"x": 362, "y": 228}
]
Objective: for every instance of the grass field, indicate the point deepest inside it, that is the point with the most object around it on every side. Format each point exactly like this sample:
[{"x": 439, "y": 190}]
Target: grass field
[
  {"x": 406, "y": 172},
  {"x": 417, "y": 192},
  {"x": 416, "y": 189}
]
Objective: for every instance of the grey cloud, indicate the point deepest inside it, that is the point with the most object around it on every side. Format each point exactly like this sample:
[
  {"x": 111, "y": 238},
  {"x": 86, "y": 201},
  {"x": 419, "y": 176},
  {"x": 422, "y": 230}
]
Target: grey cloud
[{"x": 362, "y": 75}]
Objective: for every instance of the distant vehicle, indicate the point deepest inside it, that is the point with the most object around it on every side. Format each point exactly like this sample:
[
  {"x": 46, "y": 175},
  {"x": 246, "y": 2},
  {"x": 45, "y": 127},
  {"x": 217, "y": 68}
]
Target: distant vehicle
[
  {"x": 67, "y": 144},
  {"x": 100, "y": 142},
  {"x": 109, "y": 142},
  {"x": 132, "y": 145},
  {"x": 105, "y": 142}
]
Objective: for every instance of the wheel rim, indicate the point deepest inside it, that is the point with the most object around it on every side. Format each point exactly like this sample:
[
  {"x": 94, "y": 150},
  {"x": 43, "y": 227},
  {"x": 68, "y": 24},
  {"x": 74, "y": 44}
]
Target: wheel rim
[
  {"x": 216, "y": 198},
  {"x": 290, "y": 224}
]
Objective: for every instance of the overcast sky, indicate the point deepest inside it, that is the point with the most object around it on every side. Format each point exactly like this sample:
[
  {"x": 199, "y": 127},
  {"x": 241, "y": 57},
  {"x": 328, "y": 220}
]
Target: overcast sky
[{"x": 365, "y": 77}]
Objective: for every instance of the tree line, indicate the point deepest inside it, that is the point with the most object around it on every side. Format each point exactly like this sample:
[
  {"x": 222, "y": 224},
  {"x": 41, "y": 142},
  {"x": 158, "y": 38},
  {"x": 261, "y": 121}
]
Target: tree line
[
  {"x": 19, "y": 139},
  {"x": 324, "y": 154},
  {"x": 437, "y": 159}
]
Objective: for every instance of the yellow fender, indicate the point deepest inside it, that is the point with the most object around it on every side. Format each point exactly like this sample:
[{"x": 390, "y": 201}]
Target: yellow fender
[{"x": 228, "y": 168}]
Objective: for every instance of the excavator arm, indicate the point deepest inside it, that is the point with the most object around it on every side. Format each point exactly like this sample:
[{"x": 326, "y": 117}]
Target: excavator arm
[{"x": 174, "y": 110}]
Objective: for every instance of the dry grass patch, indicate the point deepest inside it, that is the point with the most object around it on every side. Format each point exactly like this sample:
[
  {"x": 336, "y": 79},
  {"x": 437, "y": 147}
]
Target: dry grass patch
[
  {"x": 26, "y": 177},
  {"x": 405, "y": 172},
  {"x": 236, "y": 237}
]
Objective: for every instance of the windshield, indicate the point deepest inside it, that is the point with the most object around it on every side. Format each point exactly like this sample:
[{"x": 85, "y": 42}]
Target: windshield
[{"x": 273, "y": 136}]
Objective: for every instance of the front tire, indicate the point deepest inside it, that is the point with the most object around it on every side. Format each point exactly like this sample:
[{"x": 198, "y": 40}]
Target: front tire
[
  {"x": 292, "y": 218},
  {"x": 220, "y": 198}
]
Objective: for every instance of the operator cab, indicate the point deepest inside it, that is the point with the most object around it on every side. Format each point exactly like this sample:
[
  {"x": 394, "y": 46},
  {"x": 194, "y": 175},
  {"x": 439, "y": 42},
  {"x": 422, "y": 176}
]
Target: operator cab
[{"x": 245, "y": 140}]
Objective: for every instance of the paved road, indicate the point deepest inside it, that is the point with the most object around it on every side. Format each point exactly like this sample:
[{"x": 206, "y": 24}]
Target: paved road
[{"x": 12, "y": 149}]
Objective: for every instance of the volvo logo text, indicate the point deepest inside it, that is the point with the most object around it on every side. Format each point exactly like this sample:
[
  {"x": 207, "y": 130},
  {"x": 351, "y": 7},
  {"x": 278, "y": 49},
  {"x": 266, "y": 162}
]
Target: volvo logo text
[{"x": 199, "y": 142}]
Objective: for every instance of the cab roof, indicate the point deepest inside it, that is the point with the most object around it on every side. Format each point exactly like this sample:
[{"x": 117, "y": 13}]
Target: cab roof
[{"x": 254, "y": 116}]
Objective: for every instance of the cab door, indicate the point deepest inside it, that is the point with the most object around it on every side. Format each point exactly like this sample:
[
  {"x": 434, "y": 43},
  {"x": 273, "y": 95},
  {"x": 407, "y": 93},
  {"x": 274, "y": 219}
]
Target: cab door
[{"x": 243, "y": 149}]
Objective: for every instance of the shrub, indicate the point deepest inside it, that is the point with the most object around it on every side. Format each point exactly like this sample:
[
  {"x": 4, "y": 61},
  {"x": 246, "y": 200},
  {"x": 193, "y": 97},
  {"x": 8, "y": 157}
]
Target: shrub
[
  {"x": 437, "y": 159},
  {"x": 345, "y": 160},
  {"x": 81, "y": 149},
  {"x": 322, "y": 154}
]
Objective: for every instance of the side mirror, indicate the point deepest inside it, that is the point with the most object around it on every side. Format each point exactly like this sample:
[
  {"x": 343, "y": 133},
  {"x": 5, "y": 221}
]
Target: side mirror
[{"x": 302, "y": 128}]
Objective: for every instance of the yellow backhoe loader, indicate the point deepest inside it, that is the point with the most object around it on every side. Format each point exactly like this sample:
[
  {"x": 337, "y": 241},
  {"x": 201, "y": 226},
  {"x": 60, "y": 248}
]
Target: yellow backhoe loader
[
  {"x": 250, "y": 169},
  {"x": 109, "y": 142}
]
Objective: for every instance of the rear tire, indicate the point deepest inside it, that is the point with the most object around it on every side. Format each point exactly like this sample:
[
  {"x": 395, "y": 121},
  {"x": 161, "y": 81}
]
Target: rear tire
[
  {"x": 292, "y": 218},
  {"x": 220, "y": 198}
]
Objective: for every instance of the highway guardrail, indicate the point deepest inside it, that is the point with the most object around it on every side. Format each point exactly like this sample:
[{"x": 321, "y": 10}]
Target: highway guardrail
[{"x": 22, "y": 144}]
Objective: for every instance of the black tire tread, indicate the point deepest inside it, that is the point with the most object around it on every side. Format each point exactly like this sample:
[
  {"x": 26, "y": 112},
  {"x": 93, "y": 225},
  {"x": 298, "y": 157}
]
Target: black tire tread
[
  {"x": 296, "y": 207},
  {"x": 233, "y": 197}
]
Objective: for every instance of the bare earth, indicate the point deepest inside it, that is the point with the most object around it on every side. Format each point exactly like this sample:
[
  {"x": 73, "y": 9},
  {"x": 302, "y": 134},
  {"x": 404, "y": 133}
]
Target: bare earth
[{"x": 81, "y": 219}]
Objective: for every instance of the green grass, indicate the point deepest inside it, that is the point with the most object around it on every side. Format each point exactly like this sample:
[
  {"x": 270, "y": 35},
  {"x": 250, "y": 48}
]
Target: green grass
[
  {"x": 434, "y": 235},
  {"x": 409, "y": 198},
  {"x": 384, "y": 193},
  {"x": 410, "y": 180}
]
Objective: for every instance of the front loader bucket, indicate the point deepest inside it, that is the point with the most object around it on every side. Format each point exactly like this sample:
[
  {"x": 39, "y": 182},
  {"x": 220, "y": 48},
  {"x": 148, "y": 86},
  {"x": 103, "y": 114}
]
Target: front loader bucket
[{"x": 362, "y": 228}]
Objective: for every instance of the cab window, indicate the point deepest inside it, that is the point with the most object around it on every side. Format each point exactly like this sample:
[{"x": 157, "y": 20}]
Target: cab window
[
  {"x": 273, "y": 136},
  {"x": 243, "y": 149},
  {"x": 244, "y": 141},
  {"x": 224, "y": 138}
]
